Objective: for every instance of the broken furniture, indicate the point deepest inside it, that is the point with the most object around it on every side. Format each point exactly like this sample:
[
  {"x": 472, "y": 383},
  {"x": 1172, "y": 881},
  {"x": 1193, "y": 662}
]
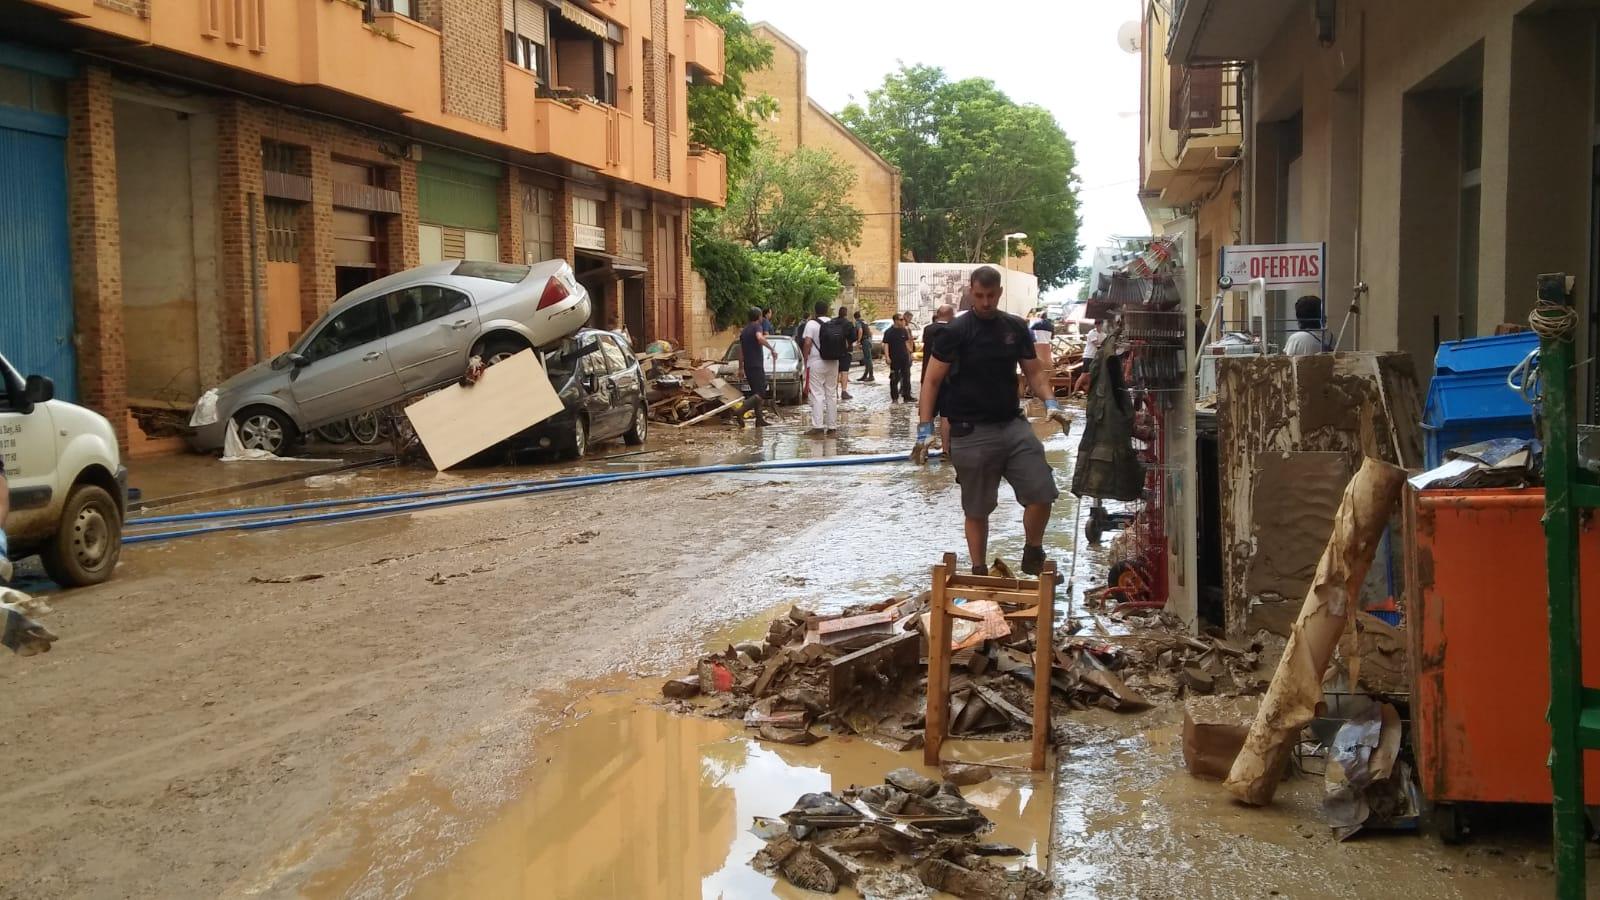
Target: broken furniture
[{"x": 948, "y": 587}]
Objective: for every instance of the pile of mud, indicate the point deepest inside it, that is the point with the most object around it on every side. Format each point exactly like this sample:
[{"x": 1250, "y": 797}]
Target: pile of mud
[{"x": 904, "y": 838}]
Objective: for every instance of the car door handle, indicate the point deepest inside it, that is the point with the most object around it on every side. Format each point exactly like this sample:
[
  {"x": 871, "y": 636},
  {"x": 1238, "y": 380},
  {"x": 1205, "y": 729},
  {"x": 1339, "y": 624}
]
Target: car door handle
[
  {"x": 376, "y": 354},
  {"x": 457, "y": 326}
]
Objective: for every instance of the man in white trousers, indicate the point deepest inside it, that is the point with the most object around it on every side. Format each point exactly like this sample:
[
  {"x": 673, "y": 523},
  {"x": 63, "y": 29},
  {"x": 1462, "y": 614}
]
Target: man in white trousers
[{"x": 822, "y": 375}]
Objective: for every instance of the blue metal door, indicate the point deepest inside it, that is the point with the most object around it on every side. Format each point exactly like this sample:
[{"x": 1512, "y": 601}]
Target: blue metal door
[{"x": 35, "y": 263}]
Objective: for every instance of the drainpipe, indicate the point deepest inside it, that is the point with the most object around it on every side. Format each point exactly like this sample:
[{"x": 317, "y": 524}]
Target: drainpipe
[
  {"x": 1359, "y": 289},
  {"x": 257, "y": 309}
]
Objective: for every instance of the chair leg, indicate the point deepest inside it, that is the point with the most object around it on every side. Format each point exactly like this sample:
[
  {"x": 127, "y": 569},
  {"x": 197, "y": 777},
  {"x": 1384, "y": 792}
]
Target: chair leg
[{"x": 938, "y": 669}]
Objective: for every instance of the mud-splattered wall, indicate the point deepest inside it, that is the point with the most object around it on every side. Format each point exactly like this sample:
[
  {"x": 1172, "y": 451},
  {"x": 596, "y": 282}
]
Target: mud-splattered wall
[{"x": 1357, "y": 404}]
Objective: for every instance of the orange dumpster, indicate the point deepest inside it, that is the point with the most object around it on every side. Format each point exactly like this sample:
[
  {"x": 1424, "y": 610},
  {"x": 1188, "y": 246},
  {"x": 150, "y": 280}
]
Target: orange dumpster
[{"x": 1480, "y": 649}]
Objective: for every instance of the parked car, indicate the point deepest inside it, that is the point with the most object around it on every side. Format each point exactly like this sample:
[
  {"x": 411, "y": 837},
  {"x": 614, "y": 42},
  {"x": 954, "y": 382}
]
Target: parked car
[
  {"x": 400, "y": 335},
  {"x": 786, "y": 378},
  {"x": 602, "y": 389},
  {"x": 68, "y": 488}
]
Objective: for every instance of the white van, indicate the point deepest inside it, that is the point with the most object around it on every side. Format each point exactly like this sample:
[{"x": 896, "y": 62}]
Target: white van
[{"x": 68, "y": 486}]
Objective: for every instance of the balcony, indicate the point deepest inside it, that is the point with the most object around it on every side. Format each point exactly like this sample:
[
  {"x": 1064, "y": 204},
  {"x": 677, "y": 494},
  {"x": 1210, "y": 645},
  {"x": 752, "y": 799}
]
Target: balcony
[
  {"x": 703, "y": 50},
  {"x": 1198, "y": 140},
  {"x": 578, "y": 131},
  {"x": 1220, "y": 30},
  {"x": 708, "y": 176}
]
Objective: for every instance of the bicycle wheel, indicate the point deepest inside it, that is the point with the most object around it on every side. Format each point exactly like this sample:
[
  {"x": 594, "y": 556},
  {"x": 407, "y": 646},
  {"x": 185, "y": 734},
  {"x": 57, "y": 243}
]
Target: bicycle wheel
[
  {"x": 335, "y": 432},
  {"x": 365, "y": 428}
]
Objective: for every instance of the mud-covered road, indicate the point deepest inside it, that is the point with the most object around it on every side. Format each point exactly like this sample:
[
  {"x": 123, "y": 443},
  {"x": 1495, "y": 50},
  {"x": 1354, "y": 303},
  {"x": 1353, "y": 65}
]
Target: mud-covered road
[{"x": 340, "y": 709}]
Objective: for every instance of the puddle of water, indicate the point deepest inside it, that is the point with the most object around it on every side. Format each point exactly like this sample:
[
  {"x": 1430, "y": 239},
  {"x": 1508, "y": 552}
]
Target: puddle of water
[{"x": 633, "y": 802}]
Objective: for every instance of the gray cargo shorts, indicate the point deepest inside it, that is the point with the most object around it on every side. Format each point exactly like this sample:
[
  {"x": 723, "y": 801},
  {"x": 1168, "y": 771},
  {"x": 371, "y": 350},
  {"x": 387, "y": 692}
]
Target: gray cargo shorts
[{"x": 996, "y": 450}]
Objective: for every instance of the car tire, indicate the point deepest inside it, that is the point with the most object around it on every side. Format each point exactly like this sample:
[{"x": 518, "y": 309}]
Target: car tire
[
  {"x": 640, "y": 430},
  {"x": 86, "y": 547},
  {"x": 265, "y": 428},
  {"x": 577, "y": 443},
  {"x": 498, "y": 350}
]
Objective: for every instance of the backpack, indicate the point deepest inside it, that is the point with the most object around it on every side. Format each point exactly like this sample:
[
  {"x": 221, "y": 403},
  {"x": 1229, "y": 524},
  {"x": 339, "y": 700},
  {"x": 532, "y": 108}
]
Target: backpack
[{"x": 833, "y": 341}]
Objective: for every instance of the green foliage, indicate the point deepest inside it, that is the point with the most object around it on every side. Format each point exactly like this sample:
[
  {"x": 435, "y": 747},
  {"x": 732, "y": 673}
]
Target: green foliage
[
  {"x": 795, "y": 200},
  {"x": 732, "y": 285},
  {"x": 721, "y": 116},
  {"x": 793, "y": 282},
  {"x": 975, "y": 166}
]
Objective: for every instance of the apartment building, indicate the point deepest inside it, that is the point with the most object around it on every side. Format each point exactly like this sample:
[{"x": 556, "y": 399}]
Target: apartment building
[
  {"x": 870, "y": 267},
  {"x": 189, "y": 183},
  {"x": 1447, "y": 151}
]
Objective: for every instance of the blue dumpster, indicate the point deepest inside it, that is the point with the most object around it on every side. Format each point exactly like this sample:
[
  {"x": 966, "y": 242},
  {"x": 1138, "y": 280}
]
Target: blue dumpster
[{"x": 1468, "y": 399}]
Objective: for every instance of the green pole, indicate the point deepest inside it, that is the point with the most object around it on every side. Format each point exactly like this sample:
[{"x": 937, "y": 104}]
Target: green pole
[{"x": 1561, "y": 560}]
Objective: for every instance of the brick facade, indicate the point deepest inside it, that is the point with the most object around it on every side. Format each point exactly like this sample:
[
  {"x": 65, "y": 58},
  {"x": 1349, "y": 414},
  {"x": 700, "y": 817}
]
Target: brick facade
[
  {"x": 657, "y": 85},
  {"x": 473, "y": 48},
  {"x": 96, "y": 248}
]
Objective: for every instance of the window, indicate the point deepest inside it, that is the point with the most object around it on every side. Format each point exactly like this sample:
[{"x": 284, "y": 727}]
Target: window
[
  {"x": 414, "y": 306},
  {"x": 493, "y": 271},
  {"x": 608, "y": 73},
  {"x": 633, "y": 232},
  {"x": 405, "y": 8},
  {"x": 283, "y": 230},
  {"x": 672, "y": 93},
  {"x": 538, "y": 224},
  {"x": 594, "y": 363},
  {"x": 355, "y": 241},
  {"x": 33, "y": 92},
  {"x": 526, "y": 35},
  {"x": 360, "y": 324},
  {"x": 615, "y": 358}
]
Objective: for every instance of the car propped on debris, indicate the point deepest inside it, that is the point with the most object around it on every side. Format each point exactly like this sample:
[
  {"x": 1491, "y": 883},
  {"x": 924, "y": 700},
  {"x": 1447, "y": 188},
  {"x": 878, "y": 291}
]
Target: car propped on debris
[
  {"x": 404, "y": 334},
  {"x": 602, "y": 394}
]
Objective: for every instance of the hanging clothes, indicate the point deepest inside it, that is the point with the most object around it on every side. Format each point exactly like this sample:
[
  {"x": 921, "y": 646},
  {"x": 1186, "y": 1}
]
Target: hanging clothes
[{"x": 1108, "y": 468}]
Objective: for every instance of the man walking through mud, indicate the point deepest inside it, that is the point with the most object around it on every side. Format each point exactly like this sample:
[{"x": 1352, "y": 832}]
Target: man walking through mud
[
  {"x": 752, "y": 340},
  {"x": 972, "y": 379}
]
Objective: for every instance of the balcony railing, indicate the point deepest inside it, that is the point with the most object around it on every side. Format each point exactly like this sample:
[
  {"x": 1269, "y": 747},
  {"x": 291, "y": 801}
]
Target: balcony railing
[{"x": 1208, "y": 103}]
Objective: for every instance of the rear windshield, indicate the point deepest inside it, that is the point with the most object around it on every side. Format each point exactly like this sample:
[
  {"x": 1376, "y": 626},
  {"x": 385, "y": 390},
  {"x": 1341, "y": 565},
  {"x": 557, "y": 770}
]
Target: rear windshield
[{"x": 493, "y": 271}]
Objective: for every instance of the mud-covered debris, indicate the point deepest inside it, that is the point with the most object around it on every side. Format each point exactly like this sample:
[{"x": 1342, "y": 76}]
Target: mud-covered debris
[
  {"x": 898, "y": 839},
  {"x": 681, "y": 688},
  {"x": 965, "y": 775},
  {"x": 1214, "y": 729}
]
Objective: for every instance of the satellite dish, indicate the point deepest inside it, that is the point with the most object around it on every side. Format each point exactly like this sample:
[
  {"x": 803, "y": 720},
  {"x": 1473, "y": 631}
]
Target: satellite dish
[{"x": 1129, "y": 36}]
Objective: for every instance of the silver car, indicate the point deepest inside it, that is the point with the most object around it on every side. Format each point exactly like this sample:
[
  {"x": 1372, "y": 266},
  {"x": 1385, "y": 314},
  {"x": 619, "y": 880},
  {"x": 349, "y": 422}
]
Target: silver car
[{"x": 409, "y": 332}]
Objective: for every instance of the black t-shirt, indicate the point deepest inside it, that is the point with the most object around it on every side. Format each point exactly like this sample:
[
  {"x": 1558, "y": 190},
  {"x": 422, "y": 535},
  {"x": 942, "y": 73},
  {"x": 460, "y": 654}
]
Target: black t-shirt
[
  {"x": 750, "y": 346},
  {"x": 983, "y": 355},
  {"x": 898, "y": 341},
  {"x": 930, "y": 333}
]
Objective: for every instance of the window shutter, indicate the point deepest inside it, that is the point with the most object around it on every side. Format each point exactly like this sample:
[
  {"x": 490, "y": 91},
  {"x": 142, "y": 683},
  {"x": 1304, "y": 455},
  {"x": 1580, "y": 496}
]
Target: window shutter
[
  {"x": 611, "y": 58},
  {"x": 524, "y": 17}
]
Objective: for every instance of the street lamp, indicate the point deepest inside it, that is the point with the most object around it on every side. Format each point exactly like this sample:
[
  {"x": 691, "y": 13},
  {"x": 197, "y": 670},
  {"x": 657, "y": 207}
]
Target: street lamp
[{"x": 1013, "y": 236}]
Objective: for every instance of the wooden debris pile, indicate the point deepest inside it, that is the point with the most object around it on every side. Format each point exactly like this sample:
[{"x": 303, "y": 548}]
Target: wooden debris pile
[
  {"x": 1168, "y": 663},
  {"x": 904, "y": 837},
  {"x": 683, "y": 390}
]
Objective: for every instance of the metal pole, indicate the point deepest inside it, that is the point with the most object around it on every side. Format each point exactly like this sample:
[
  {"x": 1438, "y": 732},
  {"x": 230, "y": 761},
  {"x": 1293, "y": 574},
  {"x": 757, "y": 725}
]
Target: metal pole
[{"x": 1561, "y": 561}]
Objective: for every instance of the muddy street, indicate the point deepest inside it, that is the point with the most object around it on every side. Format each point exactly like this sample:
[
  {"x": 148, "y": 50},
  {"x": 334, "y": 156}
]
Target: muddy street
[{"x": 457, "y": 703}]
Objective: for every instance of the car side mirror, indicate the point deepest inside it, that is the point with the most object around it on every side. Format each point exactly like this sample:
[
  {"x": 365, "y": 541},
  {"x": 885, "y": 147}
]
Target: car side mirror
[
  {"x": 39, "y": 389},
  {"x": 298, "y": 360}
]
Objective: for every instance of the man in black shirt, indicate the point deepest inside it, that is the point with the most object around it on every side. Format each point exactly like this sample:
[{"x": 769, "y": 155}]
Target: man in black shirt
[
  {"x": 973, "y": 375},
  {"x": 897, "y": 343},
  {"x": 752, "y": 340}
]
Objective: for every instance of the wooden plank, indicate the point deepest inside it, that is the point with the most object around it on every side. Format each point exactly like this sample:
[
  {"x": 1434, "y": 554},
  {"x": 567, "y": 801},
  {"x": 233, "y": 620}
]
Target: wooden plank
[
  {"x": 457, "y": 422},
  {"x": 938, "y": 721},
  {"x": 1043, "y": 647},
  {"x": 1007, "y": 596},
  {"x": 885, "y": 658}
]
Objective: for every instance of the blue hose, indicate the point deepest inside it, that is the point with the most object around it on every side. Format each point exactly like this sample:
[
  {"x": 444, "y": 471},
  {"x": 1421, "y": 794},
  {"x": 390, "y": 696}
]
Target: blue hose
[{"x": 419, "y": 500}]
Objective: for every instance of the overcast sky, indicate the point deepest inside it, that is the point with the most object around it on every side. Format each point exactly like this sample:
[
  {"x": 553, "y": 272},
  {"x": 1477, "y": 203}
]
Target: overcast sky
[{"x": 1060, "y": 54}]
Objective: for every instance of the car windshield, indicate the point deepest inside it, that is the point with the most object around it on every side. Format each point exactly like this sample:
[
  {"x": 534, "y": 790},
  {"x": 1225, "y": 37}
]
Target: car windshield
[{"x": 510, "y": 274}]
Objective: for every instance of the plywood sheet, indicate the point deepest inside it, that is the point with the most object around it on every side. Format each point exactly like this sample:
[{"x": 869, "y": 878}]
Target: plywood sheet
[{"x": 457, "y": 422}]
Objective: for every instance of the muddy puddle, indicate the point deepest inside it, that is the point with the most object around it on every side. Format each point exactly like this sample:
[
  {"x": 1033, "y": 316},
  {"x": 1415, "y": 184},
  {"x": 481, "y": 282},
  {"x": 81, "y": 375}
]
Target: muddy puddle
[{"x": 629, "y": 801}]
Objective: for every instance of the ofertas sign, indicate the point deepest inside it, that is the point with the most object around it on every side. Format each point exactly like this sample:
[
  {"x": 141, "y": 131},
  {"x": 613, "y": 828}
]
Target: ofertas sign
[{"x": 1283, "y": 266}]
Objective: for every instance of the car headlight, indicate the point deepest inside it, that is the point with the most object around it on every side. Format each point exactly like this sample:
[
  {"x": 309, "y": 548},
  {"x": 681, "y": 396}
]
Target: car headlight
[{"x": 205, "y": 410}]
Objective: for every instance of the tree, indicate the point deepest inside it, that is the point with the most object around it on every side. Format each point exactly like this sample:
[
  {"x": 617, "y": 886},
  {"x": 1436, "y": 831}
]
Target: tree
[
  {"x": 975, "y": 166},
  {"x": 794, "y": 281},
  {"x": 732, "y": 283},
  {"x": 722, "y": 116},
  {"x": 795, "y": 200}
]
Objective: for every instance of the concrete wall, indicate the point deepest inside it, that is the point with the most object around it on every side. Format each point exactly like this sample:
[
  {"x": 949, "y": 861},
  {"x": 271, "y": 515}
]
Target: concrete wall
[{"x": 1380, "y": 159}]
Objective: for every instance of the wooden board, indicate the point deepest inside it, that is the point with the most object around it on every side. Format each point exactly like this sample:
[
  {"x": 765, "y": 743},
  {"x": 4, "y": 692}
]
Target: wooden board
[{"x": 457, "y": 422}]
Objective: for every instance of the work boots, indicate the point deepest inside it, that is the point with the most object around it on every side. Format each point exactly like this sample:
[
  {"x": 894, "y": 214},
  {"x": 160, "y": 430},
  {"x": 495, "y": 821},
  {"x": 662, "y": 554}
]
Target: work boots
[{"x": 1033, "y": 560}]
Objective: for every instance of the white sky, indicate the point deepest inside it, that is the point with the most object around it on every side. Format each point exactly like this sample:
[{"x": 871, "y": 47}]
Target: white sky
[{"x": 1060, "y": 54}]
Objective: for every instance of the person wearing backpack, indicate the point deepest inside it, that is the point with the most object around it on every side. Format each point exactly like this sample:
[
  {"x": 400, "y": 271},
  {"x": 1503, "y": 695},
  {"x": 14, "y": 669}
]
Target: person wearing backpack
[{"x": 824, "y": 344}]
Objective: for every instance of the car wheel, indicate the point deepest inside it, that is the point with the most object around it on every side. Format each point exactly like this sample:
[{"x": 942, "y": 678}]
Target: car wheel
[
  {"x": 641, "y": 427},
  {"x": 499, "y": 350},
  {"x": 86, "y": 548},
  {"x": 264, "y": 428},
  {"x": 578, "y": 441}
]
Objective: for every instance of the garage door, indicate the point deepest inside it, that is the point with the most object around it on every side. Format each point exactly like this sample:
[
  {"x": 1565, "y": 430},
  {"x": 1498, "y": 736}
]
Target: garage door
[
  {"x": 35, "y": 266},
  {"x": 458, "y": 205}
]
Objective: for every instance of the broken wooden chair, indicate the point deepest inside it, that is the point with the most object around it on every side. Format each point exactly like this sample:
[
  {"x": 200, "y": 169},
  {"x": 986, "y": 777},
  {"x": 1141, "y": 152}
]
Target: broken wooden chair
[{"x": 1037, "y": 602}]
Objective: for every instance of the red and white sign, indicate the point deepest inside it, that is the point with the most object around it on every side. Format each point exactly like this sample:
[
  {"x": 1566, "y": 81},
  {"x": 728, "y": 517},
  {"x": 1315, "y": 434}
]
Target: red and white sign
[{"x": 1283, "y": 266}]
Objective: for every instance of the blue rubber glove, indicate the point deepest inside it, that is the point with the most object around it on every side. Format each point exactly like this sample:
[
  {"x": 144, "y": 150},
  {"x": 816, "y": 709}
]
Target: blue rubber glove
[
  {"x": 919, "y": 453},
  {"x": 5, "y": 561}
]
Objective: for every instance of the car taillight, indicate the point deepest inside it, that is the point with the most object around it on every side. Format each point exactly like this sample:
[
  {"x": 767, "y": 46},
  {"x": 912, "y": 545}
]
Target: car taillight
[{"x": 554, "y": 293}]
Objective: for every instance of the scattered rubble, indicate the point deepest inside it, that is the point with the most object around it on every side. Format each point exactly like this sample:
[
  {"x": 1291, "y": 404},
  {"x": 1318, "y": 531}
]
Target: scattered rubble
[
  {"x": 684, "y": 390},
  {"x": 903, "y": 838}
]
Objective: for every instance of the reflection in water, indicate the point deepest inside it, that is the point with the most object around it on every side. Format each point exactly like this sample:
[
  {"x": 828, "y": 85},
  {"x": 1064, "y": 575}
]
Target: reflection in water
[{"x": 632, "y": 802}]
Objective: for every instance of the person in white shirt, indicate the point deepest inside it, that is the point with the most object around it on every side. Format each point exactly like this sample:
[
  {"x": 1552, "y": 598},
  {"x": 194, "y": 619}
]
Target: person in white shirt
[
  {"x": 1311, "y": 336},
  {"x": 1091, "y": 347},
  {"x": 822, "y": 375}
]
